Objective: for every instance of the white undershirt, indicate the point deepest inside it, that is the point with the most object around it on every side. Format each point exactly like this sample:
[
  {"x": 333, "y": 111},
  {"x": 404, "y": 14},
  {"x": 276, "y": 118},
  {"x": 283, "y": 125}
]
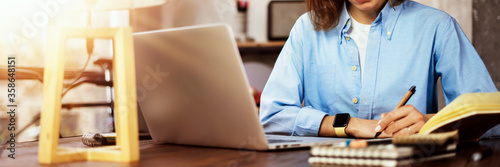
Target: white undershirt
[{"x": 359, "y": 33}]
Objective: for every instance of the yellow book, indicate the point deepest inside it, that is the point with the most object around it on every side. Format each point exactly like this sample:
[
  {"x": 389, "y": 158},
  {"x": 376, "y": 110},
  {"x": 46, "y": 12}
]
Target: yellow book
[{"x": 471, "y": 114}]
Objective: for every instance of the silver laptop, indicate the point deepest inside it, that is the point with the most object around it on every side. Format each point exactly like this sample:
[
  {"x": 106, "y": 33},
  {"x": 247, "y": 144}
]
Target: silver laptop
[{"x": 192, "y": 89}]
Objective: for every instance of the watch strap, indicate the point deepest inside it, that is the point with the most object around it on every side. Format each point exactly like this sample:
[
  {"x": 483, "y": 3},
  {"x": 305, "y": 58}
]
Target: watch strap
[{"x": 340, "y": 131}]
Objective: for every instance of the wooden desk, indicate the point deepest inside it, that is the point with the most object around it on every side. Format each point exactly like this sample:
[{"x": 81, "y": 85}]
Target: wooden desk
[{"x": 154, "y": 154}]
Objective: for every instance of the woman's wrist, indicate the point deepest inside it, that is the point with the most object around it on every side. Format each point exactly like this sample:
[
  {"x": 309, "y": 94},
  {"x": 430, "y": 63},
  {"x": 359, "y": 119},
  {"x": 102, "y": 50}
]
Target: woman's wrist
[
  {"x": 326, "y": 128},
  {"x": 352, "y": 127}
]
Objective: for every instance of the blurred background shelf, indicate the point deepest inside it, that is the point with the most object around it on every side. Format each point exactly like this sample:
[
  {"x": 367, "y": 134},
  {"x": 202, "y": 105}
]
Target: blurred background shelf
[
  {"x": 261, "y": 45},
  {"x": 265, "y": 48}
]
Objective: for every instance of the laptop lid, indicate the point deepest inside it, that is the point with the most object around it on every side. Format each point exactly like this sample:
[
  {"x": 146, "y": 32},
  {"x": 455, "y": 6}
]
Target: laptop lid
[{"x": 192, "y": 88}]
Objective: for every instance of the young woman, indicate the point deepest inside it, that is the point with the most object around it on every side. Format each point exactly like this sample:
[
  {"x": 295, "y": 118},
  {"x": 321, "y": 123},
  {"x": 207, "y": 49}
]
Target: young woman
[{"x": 359, "y": 57}]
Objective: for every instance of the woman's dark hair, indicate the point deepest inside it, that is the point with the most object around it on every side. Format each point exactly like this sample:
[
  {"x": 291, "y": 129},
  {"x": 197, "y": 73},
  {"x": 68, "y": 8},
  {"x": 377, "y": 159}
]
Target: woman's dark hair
[{"x": 325, "y": 14}]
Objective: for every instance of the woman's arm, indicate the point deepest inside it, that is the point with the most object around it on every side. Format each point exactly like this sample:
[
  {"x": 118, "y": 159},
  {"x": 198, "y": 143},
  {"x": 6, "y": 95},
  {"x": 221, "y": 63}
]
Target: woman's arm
[{"x": 281, "y": 109}]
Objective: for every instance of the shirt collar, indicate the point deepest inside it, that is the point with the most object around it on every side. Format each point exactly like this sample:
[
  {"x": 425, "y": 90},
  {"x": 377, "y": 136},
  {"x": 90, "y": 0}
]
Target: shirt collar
[
  {"x": 387, "y": 17},
  {"x": 343, "y": 25}
]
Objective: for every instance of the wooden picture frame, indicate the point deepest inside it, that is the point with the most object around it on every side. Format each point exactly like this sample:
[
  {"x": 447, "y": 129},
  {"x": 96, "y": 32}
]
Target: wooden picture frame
[{"x": 127, "y": 140}]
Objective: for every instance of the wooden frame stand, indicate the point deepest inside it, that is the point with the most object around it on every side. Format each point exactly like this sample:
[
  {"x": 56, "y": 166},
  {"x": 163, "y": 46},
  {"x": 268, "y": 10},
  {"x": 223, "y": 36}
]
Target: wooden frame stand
[{"x": 127, "y": 140}]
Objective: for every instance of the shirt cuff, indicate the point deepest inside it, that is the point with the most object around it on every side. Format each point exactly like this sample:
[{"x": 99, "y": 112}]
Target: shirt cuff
[{"x": 308, "y": 122}]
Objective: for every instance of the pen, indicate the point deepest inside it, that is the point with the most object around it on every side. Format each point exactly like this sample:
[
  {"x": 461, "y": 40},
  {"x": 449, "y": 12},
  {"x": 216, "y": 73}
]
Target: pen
[{"x": 403, "y": 101}]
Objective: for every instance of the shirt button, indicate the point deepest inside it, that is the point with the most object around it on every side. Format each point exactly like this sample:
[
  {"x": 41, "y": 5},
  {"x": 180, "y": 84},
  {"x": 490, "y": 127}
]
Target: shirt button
[
  {"x": 355, "y": 100},
  {"x": 388, "y": 33},
  {"x": 347, "y": 38},
  {"x": 354, "y": 68}
]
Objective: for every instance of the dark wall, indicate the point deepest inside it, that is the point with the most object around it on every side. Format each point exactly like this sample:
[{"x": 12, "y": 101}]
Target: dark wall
[{"x": 486, "y": 35}]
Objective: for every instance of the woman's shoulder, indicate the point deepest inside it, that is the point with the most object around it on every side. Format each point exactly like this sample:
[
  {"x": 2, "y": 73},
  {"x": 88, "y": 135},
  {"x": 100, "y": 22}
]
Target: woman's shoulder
[
  {"x": 424, "y": 12},
  {"x": 305, "y": 26},
  {"x": 304, "y": 22}
]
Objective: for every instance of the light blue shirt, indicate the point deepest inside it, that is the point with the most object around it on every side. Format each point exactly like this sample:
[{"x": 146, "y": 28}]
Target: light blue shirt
[{"x": 410, "y": 44}]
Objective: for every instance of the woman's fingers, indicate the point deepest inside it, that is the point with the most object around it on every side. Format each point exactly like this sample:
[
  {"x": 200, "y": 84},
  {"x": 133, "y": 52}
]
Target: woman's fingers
[
  {"x": 413, "y": 129},
  {"x": 393, "y": 116},
  {"x": 410, "y": 119}
]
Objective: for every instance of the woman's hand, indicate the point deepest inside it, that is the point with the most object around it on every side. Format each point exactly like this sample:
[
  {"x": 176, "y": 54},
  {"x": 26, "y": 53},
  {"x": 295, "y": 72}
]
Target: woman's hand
[
  {"x": 363, "y": 128},
  {"x": 405, "y": 120}
]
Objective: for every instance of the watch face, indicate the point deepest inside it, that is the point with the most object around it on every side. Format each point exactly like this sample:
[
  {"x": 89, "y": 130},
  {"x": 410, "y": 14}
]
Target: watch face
[{"x": 341, "y": 120}]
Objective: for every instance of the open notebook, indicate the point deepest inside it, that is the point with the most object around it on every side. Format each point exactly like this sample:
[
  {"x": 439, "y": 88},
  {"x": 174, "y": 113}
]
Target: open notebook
[{"x": 472, "y": 114}]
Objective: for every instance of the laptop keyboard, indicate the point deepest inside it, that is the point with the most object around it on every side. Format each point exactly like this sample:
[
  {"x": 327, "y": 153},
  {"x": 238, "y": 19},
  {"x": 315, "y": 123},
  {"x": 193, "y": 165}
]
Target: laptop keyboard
[{"x": 281, "y": 141}]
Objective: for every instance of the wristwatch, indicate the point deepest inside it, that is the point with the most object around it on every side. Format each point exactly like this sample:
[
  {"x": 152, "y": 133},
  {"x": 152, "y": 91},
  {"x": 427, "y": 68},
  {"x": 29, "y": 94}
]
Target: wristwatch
[{"x": 340, "y": 124}]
